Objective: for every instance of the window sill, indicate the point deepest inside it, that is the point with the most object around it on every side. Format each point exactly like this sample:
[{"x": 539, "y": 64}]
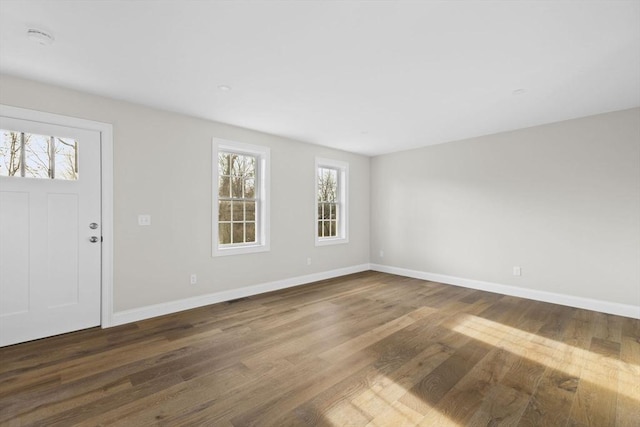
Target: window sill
[
  {"x": 331, "y": 241},
  {"x": 239, "y": 250}
]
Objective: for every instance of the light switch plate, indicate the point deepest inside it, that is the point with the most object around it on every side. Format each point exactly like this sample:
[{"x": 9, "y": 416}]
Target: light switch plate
[{"x": 144, "y": 219}]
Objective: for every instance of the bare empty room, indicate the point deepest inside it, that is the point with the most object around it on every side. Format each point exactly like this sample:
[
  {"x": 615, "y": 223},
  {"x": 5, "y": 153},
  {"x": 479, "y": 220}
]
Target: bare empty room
[{"x": 319, "y": 213}]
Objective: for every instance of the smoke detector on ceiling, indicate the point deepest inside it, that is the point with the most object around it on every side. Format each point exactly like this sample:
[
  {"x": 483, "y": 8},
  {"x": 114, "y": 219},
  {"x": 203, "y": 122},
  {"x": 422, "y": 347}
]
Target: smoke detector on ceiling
[{"x": 40, "y": 36}]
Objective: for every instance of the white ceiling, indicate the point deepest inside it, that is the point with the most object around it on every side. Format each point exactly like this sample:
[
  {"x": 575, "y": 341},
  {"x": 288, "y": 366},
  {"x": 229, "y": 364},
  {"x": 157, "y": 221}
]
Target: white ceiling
[{"x": 365, "y": 76}]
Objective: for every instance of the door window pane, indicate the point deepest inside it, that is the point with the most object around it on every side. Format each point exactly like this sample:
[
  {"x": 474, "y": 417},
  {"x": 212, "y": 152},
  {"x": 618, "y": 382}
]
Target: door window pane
[
  {"x": 37, "y": 156},
  {"x": 30, "y": 155},
  {"x": 66, "y": 158},
  {"x": 10, "y": 149}
]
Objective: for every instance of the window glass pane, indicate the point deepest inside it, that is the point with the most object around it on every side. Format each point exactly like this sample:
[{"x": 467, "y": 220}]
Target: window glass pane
[
  {"x": 44, "y": 156},
  {"x": 234, "y": 164},
  {"x": 36, "y": 156},
  {"x": 9, "y": 153},
  {"x": 66, "y": 159},
  {"x": 326, "y": 210},
  {"x": 326, "y": 228},
  {"x": 224, "y": 187},
  {"x": 223, "y": 164},
  {"x": 224, "y": 233},
  {"x": 249, "y": 188},
  {"x": 242, "y": 165},
  {"x": 251, "y": 232},
  {"x": 327, "y": 184},
  {"x": 250, "y": 211},
  {"x": 332, "y": 210},
  {"x": 238, "y": 232},
  {"x": 250, "y": 171},
  {"x": 333, "y": 184},
  {"x": 332, "y": 231},
  {"x": 237, "y": 210},
  {"x": 224, "y": 211},
  {"x": 236, "y": 187}
]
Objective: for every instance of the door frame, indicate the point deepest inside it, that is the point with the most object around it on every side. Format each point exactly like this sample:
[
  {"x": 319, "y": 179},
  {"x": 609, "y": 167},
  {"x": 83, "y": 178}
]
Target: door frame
[{"x": 106, "y": 192}]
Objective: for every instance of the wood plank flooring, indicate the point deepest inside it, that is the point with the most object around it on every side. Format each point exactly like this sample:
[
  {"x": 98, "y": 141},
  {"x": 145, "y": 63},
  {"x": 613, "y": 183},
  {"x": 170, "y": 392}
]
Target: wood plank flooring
[{"x": 369, "y": 349}]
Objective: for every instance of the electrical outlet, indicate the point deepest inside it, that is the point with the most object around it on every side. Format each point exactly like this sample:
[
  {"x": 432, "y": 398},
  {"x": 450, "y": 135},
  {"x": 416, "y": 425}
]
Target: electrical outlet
[
  {"x": 517, "y": 271},
  {"x": 308, "y": 261},
  {"x": 144, "y": 219},
  {"x": 194, "y": 279}
]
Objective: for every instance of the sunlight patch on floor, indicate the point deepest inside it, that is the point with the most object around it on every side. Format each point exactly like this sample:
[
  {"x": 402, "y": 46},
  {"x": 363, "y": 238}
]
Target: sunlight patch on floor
[
  {"x": 379, "y": 404},
  {"x": 606, "y": 372},
  {"x": 371, "y": 405}
]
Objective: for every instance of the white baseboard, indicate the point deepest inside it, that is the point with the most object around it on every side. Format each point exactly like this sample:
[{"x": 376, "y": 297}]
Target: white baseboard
[
  {"x": 136, "y": 314},
  {"x": 626, "y": 310}
]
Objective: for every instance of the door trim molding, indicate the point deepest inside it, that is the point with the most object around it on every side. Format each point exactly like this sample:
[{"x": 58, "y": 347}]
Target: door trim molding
[{"x": 106, "y": 183}]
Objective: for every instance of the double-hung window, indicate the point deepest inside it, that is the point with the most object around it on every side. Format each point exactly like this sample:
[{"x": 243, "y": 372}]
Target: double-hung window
[
  {"x": 331, "y": 202},
  {"x": 241, "y": 198}
]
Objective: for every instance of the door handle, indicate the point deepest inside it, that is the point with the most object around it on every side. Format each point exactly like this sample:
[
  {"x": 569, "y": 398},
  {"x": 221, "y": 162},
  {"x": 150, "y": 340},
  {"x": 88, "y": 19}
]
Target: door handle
[{"x": 93, "y": 239}]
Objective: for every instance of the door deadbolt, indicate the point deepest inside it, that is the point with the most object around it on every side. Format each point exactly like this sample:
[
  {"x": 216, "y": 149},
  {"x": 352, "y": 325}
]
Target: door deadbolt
[{"x": 93, "y": 226}]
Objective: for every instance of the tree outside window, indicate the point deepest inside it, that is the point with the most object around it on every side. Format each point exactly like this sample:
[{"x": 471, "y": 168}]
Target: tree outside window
[{"x": 38, "y": 156}]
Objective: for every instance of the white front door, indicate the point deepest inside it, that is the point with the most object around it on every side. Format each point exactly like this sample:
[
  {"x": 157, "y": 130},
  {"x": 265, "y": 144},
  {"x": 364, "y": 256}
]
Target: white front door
[{"x": 50, "y": 229}]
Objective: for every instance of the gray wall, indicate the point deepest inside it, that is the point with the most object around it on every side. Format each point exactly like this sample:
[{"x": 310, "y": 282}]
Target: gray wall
[
  {"x": 162, "y": 166},
  {"x": 561, "y": 200}
]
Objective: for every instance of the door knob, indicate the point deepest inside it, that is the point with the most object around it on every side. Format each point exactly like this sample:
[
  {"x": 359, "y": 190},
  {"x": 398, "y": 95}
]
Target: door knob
[{"x": 93, "y": 239}]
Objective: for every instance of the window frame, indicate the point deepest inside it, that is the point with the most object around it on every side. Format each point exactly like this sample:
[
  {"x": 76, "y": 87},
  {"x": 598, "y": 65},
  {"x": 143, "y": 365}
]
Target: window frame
[
  {"x": 342, "y": 235},
  {"x": 262, "y": 189}
]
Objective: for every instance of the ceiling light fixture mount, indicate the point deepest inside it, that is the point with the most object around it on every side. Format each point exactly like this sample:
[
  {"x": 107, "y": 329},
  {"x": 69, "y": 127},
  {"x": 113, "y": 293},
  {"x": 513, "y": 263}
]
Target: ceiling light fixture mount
[{"x": 40, "y": 36}]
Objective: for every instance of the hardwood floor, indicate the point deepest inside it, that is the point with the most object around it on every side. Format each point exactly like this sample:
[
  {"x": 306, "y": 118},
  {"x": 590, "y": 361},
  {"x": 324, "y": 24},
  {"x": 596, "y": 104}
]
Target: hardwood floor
[{"x": 370, "y": 349}]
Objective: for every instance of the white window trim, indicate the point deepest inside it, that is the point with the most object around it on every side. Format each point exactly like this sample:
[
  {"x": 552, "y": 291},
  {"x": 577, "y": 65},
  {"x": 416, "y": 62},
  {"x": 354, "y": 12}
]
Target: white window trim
[
  {"x": 343, "y": 193},
  {"x": 263, "y": 192}
]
